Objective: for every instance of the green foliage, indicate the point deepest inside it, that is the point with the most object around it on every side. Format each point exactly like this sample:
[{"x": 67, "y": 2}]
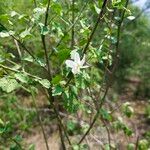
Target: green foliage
[
  {"x": 36, "y": 42},
  {"x": 127, "y": 109},
  {"x": 8, "y": 84},
  {"x": 143, "y": 144}
]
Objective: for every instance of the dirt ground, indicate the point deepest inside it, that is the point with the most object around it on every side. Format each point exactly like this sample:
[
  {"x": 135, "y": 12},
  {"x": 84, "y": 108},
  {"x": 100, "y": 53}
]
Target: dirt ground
[{"x": 97, "y": 136}]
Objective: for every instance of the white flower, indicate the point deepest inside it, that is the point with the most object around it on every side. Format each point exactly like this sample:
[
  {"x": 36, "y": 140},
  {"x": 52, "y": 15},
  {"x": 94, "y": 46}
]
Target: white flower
[{"x": 76, "y": 64}]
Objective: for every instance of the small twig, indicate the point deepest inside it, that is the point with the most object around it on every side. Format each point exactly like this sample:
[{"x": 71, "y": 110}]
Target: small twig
[
  {"x": 95, "y": 118},
  {"x": 98, "y": 141},
  {"x": 19, "y": 53},
  {"x": 18, "y": 48}
]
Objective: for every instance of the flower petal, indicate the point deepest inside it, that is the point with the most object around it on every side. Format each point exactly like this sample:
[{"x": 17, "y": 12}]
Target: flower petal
[
  {"x": 75, "y": 70},
  {"x": 75, "y": 56},
  {"x": 73, "y": 53},
  {"x": 70, "y": 63},
  {"x": 84, "y": 66}
]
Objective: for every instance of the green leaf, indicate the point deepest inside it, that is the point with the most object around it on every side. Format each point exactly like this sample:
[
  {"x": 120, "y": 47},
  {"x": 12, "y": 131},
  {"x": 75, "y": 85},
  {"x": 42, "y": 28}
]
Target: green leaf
[
  {"x": 8, "y": 85},
  {"x": 1, "y": 122},
  {"x": 97, "y": 9},
  {"x": 127, "y": 131},
  {"x": 118, "y": 3},
  {"x": 4, "y": 34},
  {"x": 63, "y": 55},
  {"x": 143, "y": 144},
  {"x": 131, "y": 146},
  {"x": 127, "y": 109},
  {"x": 71, "y": 125},
  {"x": 57, "y": 8},
  {"x": 22, "y": 77},
  {"x": 45, "y": 83},
  {"x": 25, "y": 33},
  {"x": 28, "y": 58},
  {"x": 56, "y": 79},
  {"x": 44, "y": 29},
  {"x": 105, "y": 114},
  {"x": 17, "y": 138},
  {"x": 31, "y": 147},
  {"x": 57, "y": 90},
  {"x": 13, "y": 13}
]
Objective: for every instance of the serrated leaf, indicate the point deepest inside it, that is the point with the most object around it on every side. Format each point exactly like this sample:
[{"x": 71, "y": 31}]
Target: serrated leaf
[
  {"x": 45, "y": 83},
  {"x": 8, "y": 85}
]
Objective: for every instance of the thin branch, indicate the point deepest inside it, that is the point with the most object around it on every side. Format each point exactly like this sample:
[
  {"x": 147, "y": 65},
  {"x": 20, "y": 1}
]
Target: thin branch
[
  {"x": 18, "y": 49},
  {"x": 17, "y": 71},
  {"x": 19, "y": 53},
  {"x": 44, "y": 42},
  {"x": 61, "y": 138},
  {"x": 46, "y": 13},
  {"x": 95, "y": 118},
  {"x": 116, "y": 59},
  {"x": 60, "y": 122},
  {"x": 108, "y": 133},
  {"x": 73, "y": 19},
  {"x": 39, "y": 119},
  {"x": 98, "y": 141},
  {"x": 137, "y": 143},
  {"x": 17, "y": 143}
]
